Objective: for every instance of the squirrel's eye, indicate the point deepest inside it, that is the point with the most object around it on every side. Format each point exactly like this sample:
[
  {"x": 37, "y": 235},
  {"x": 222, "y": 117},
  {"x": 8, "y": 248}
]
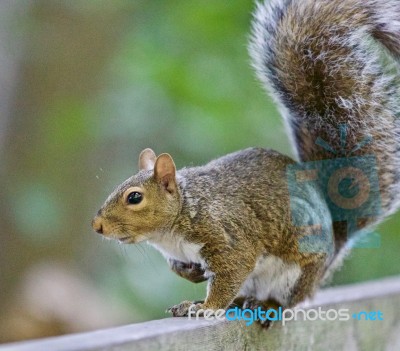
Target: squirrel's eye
[{"x": 134, "y": 198}]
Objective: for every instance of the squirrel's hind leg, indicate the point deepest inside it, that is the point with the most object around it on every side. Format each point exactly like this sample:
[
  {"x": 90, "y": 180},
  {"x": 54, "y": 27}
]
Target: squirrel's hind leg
[{"x": 269, "y": 310}]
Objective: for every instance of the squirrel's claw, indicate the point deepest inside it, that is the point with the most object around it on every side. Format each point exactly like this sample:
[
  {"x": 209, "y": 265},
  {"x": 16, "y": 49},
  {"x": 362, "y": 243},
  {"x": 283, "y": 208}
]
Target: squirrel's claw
[
  {"x": 182, "y": 309},
  {"x": 254, "y": 304}
]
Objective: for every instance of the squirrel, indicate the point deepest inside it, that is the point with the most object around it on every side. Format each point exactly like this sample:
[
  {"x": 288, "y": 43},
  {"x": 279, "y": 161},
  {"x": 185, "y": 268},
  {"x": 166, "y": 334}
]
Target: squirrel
[{"x": 241, "y": 222}]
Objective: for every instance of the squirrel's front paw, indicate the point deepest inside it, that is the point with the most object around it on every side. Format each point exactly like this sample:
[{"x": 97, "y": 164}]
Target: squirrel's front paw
[
  {"x": 182, "y": 309},
  {"x": 190, "y": 271}
]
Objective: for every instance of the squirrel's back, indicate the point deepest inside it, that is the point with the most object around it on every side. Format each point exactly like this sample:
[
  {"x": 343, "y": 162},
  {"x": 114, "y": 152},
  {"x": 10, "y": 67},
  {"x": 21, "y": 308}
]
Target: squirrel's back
[
  {"x": 332, "y": 67},
  {"x": 247, "y": 193},
  {"x": 237, "y": 174}
]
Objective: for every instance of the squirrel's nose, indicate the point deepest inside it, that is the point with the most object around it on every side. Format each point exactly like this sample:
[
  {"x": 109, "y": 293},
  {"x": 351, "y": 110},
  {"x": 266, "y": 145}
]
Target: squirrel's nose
[{"x": 97, "y": 225}]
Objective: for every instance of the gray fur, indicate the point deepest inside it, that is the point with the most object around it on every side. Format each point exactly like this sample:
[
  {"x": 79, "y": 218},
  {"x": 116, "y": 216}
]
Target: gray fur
[{"x": 317, "y": 61}]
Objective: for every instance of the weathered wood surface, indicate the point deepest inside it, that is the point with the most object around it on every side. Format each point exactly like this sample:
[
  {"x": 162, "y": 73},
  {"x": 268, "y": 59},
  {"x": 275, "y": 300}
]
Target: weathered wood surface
[{"x": 182, "y": 334}]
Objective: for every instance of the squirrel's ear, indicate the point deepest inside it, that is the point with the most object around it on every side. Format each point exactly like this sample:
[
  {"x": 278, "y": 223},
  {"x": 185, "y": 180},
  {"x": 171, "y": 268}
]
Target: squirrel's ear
[
  {"x": 147, "y": 159},
  {"x": 164, "y": 172}
]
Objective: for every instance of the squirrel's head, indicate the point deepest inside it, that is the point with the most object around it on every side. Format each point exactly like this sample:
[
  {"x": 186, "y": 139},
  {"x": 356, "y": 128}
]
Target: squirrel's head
[{"x": 143, "y": 205}]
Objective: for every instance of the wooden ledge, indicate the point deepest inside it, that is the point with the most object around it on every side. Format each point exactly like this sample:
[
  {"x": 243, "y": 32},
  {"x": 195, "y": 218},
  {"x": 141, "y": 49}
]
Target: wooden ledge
[{"x": 184, "y": 334}]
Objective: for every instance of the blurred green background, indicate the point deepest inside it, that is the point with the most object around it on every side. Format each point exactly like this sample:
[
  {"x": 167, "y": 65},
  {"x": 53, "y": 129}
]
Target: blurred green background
[{"x": 84, "y": 87}]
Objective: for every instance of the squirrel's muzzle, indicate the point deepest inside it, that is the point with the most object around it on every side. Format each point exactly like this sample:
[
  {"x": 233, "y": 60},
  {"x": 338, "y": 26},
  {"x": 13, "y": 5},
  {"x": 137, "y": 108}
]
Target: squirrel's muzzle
[{"x": 97, "y": 225}]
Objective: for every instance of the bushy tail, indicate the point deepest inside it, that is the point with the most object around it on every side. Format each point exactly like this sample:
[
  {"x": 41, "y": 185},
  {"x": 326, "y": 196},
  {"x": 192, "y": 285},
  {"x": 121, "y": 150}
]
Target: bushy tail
[{"x": 332, "y": 67}]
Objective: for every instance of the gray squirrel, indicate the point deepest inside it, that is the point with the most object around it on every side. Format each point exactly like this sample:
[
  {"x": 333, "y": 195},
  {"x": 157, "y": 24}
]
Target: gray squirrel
[{"x": 243, "y": 222}]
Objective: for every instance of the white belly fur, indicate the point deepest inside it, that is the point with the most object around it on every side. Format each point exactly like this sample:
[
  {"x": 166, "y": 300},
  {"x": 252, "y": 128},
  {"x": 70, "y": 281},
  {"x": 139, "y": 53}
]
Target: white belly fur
[
  {"x": 271, "y": 278},
  {"x": 176, "y": 247}
]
